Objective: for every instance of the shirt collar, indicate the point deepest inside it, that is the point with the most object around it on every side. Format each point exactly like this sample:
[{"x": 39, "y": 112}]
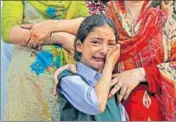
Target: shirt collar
[{"x": 90, "y": 75}]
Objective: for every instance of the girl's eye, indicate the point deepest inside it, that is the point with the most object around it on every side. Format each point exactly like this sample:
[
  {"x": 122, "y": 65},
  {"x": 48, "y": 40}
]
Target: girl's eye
[
  {"x": 111, "y": 44},
  {"x": 96, "y": 42}
]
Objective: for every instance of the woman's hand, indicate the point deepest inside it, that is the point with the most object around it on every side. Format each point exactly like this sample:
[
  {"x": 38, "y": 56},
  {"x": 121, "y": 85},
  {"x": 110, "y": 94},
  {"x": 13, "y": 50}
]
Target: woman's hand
[
  {"x": 71, "y": 67},
  {"x": 40, "y": 32},
  {"x": 126, "y": 82}
]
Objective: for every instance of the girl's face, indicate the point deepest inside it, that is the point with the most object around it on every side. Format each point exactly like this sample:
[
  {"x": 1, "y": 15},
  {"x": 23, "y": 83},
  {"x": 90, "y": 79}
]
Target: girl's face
[{"x": 95, "y": 47}]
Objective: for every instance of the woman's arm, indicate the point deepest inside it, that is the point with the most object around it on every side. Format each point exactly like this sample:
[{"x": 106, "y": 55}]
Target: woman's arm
[
  {"x": 154, "y": 74},
  {"x": 12, "y": 29},
  {"x": 40, "y": 31},
  {"x": 12, "y": 15},
  {"x": 21, "y": 36}
]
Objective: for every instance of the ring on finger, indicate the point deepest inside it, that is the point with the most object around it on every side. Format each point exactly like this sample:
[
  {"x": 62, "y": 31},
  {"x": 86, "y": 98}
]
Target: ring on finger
[
  {"x": 117, "y": 86},
  {"x": 121, "y": 93}
]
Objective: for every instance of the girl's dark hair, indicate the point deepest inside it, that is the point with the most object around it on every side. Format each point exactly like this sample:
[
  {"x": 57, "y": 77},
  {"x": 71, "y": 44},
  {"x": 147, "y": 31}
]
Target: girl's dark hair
[{"x": 87, "y": 26}]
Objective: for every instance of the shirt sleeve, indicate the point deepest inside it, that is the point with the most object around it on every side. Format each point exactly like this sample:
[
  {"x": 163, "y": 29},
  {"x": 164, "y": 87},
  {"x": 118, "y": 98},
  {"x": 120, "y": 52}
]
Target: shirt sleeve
[
  {"x": 12, "y": 15},
  {"x": 80, "y": 95}
]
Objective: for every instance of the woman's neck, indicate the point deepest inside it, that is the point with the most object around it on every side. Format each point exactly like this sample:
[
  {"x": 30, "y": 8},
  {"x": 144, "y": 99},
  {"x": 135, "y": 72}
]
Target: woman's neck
[
  {"x": 134, "y": 3},
  {"x": 133, "y": 9}
]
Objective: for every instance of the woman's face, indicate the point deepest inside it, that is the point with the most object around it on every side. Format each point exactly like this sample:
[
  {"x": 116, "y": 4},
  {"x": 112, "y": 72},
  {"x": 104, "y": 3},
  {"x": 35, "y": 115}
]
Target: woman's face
[{"x": 95, "y": 47}]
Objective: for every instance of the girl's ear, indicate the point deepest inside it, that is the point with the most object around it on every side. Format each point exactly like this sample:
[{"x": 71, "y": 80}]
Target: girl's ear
[{"x": 79, "y": 46}]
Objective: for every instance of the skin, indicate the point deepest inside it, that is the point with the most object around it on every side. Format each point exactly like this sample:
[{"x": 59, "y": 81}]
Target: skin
[
  {"x": 40, "y": 32},
  {"x": 22, "y": 35},
  {"x": 133, "y": 9},
  {"x": 100, "y": 52},
  {"x": 98, "y": 42},
  {"x": 95, "y": 47},
  {"x": 124, "y": 84}
]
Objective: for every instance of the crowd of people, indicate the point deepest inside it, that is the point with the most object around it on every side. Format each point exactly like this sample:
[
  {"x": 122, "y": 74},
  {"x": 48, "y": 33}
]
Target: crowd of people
[{"x": 122, "y": 67}]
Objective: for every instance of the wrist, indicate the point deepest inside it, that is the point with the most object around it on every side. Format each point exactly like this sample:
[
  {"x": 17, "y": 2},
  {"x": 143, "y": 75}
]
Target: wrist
[
  {"x": 50, "y": 39},
  {"x": 54, "y": 26},
  {"x": 109, "y": 65}
]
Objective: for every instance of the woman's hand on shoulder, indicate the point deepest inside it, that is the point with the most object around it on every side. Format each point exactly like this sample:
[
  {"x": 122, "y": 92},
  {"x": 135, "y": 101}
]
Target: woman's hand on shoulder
[{"x": 71, "y": 67}]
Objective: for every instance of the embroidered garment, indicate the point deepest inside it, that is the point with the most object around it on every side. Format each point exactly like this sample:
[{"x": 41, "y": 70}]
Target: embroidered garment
[
  {"x": 149, "y": 43},
  {"x": 30, "y": 75}
]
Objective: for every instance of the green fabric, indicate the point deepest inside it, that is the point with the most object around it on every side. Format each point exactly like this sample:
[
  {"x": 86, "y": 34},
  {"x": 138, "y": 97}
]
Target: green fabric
[
  {"x": 30, "y": 97},
  {"x": 69, "y": 113},
  {"x": 16, "y": 12}
]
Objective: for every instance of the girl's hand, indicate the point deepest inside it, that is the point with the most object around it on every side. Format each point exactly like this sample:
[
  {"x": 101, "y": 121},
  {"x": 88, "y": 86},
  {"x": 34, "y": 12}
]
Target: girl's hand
[
  {"x": 126, "y": 82},
  {"x": 67, "y": 42},
  {"x": 71, "y": 67},
  {"x": 113, "y": 55}
]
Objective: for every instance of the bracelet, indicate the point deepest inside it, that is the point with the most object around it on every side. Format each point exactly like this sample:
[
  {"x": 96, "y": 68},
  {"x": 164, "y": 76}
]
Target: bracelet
[{"x": 51, "y": 39}]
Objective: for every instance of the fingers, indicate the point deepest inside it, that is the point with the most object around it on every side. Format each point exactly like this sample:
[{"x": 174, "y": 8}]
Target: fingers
[
  {"x": 27, "y": 26},
  {"x": 54, "y": 91},
  {"x": 117, "y": 46},
  {"x": 30, "y": 43},
  {"x": 122, "y": 93},
  {"x": 127, "y": 93},
  {"x": 27, "y": 38},
  {"x": 115, "y": 75},
  {"x": 38, "y": 34},
  {"x": 113, "y": 81},
  {"x": 73, "y": 68},
  {"x": 114, "y": 90},
  {"x": 71, "y": 52},
  {"x": 113, "y": 55},
  {"x": 114, "y": 49},
  {"x": 33, "y": 43}
]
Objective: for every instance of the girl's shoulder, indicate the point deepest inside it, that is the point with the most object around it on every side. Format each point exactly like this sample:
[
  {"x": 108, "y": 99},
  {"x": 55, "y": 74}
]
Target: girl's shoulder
[{"x": 72, "y": 78}]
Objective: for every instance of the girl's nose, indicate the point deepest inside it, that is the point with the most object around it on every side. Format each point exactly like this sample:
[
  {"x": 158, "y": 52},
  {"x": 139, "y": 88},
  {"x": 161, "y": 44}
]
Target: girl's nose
[{"x": 104, "y": 49}]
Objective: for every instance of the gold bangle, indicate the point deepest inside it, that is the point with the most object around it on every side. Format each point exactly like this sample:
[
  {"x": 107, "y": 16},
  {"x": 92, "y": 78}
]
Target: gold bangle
[{"x": 51, "y": 39}]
